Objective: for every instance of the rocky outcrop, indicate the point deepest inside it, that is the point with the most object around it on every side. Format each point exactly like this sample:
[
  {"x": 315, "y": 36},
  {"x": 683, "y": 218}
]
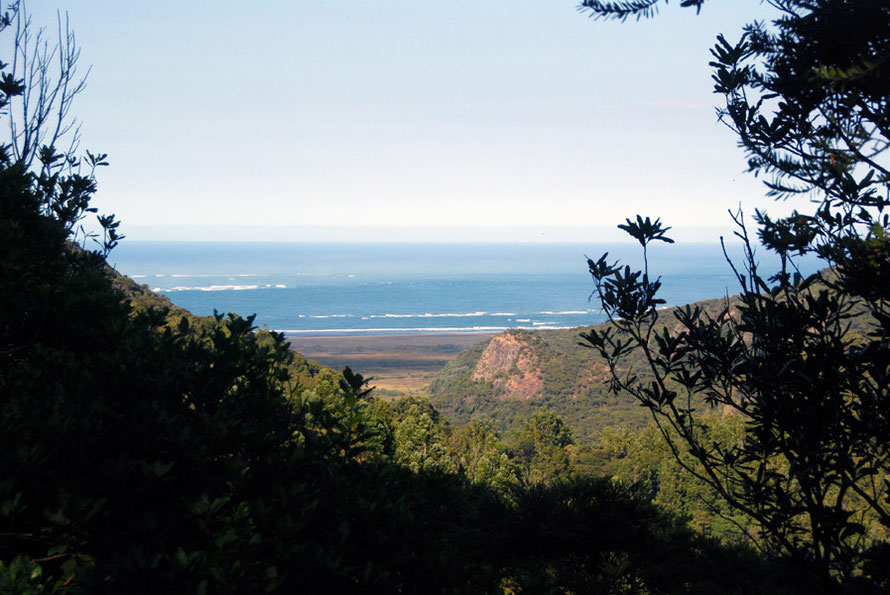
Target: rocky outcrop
[
  {"x": 517, "y": 371},
  {"x": 509, "y": 363}
]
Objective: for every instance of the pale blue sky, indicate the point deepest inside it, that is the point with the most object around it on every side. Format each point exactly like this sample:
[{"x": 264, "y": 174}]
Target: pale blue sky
[{"x": 300, "y": 120}]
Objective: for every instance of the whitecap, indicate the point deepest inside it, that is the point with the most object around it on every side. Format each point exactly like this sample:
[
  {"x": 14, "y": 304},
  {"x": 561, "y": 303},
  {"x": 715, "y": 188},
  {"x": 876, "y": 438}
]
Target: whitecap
[
  {"x": 431, "y": 315},
  {"x": 205, "y": 288},
  {"x": 414, "y": 330},
  {"x": 395, "y": 331}
]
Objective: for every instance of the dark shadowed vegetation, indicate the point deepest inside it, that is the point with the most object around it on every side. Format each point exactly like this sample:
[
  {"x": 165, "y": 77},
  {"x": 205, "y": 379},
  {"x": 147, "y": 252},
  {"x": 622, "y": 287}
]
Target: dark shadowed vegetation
[
  {"x": 803, "y": 362},
  {"x": 144, "y": 449}
]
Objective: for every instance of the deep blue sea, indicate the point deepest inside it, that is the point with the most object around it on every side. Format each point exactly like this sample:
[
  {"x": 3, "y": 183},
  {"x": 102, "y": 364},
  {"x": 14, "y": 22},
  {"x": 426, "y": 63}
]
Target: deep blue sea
[{"x": 408, "y": 288}]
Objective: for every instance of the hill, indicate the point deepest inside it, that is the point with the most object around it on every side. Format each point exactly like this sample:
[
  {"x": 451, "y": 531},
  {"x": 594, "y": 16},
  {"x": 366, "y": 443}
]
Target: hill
[
  {"x": 518, "y": 371},
  {"x": 142, "y": 298}
]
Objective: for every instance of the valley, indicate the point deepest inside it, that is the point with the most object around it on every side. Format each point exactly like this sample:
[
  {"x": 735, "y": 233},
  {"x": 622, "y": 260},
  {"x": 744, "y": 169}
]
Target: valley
[{"x": 397, "y": 363}]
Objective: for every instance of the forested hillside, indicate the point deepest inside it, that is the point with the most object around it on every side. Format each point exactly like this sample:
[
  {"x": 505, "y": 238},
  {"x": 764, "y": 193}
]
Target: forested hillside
[
  {"x": 143, "y": 449},
  {"x": 514, "y": 373},
  {"x": 144, "y": 456},
  {"x": 143, "y": 300},
  {"x": 146, "y": 450}
]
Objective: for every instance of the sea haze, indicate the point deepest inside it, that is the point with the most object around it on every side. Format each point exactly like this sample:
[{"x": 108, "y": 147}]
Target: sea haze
[{"x": 326, "y": 288}]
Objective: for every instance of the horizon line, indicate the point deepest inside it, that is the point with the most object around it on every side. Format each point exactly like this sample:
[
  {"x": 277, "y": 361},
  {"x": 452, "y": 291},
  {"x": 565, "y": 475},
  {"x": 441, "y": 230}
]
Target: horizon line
[{"x": 483, "y": 234}]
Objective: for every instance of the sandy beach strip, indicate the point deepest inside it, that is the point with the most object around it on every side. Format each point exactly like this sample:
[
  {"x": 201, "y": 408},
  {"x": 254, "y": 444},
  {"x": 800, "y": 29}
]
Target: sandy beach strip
[{"x": 398, "y": 363}]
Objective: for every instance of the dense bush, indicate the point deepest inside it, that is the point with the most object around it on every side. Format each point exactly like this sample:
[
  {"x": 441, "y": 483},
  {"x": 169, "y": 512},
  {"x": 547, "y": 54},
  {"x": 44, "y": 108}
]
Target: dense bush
[
  {"x": 804, "y": 362},
  {"x": 144, "y": 454}
]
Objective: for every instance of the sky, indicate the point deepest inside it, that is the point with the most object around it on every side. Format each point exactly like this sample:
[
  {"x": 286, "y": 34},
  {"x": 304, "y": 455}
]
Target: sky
[{"x": 397, "y": 120}]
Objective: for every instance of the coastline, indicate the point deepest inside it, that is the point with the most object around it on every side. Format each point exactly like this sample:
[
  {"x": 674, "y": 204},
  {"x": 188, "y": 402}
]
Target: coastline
[{"x": 398, "y": 363}]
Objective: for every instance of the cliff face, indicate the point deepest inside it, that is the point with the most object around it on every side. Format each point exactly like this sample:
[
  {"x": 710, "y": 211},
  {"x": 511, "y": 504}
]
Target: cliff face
[
  {"x": 510, "y": 363},
  {"x": 517, "y": 371}
]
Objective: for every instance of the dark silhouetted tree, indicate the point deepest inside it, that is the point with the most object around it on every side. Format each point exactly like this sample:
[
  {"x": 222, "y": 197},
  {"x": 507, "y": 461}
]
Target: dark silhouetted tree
[{"x": 805, "y": 361}]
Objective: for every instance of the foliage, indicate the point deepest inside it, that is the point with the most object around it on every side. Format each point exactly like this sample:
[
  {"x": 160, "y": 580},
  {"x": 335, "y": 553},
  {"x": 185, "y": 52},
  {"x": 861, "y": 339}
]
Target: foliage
[
  {"x": 478, "y": 452},
  {"x": 149, "y": 458},
  {"x": 809, "y": 99},
  {"x": 142, "y": 455},
  {"x": 340, "y": 419},
  {"x": 539, "y": 446},
  {"x": 420, "y": 435},
  {"x": 38, "y": 87},
  {"x": 575, "y": 385},
  {"x": 645, "y": 461},
  {"x": 45, "y": 80},
  {"x": 601, "y": 538},
  {"x": 622, "y": 9}
]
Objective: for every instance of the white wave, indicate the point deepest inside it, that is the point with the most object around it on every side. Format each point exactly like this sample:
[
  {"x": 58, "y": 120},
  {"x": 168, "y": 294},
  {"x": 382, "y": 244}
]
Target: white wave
[
  {"x": 332, "y": 316},
  {"x": 430, "y": 315},
  {"x": 204, "y": 275},
  {"x": 538, "y": 323},
  {"x": 395, "y": 331},
  {"x": 573, "y": 312},
  {"x": 280, "y": 286},
  {"x": 208, "y": 288},
  {"x": 412, "y": 330},
  {"x": 503, "y": 314},
  {"x": 523, "y": 320},
  {"x": 138, "y": 276}
]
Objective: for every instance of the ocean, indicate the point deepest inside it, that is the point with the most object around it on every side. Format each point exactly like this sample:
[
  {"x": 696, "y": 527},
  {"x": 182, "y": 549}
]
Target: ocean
[{"x": 379, "y": 288}]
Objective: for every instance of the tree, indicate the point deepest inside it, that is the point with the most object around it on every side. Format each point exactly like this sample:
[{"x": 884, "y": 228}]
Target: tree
[
  {"x": 342, "y": 416},
  {"x": 478, "y": 452},
  {"x": 143, "y": 456},
  {"x": 40, "y": 116},
  {"x": 39, "y": 87},
  {"x": 804, "y": 361},
  {"x": 540, "y": 447},
  {"x": 622, "y": 9},
  {"x": 419, "y": 435}
]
